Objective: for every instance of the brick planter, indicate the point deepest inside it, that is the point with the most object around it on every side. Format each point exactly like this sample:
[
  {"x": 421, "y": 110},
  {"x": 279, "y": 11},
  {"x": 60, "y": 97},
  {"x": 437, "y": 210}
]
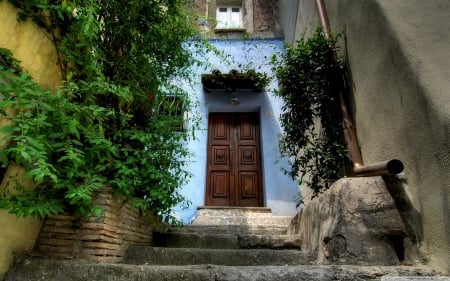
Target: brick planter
[{"x": 97, "y": 238}]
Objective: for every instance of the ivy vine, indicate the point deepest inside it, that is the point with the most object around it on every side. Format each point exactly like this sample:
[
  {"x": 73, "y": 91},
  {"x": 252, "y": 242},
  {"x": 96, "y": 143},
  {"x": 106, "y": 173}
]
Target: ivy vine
[
  {"x": 105, "y": 125},
  {"x": 311, "y": 119}
]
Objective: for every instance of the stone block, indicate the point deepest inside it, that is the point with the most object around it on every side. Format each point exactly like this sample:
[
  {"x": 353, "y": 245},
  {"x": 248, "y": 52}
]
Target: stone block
[{"x": 354, "y": 222}]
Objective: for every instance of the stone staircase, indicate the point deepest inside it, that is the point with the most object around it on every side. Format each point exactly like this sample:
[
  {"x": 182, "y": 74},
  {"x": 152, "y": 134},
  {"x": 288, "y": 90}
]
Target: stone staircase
[
  {"x": 222, "y": 244},
  {"x": 225, "y": 236},
  {"x": 232, "y": 228}
]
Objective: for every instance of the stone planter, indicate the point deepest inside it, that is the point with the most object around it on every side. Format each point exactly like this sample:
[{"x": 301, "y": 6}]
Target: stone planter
[{"x": 102, "y": 239}]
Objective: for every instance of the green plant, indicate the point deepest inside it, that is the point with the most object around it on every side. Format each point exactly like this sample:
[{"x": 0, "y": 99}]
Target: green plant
[
  {"x": 313, "y": 140},
  {"x": 104, "y": 126},
  {"x": 233, "y": 80}
]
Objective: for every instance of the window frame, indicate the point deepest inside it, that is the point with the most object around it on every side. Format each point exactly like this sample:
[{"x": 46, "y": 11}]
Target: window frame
[{"x": 229, "y": 17}]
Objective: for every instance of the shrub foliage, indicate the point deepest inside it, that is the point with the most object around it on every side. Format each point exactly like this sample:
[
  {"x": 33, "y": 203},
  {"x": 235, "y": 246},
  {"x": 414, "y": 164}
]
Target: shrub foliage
[
  {"x": 111, "y": 121},
  {"x": 311, "y": 119}
]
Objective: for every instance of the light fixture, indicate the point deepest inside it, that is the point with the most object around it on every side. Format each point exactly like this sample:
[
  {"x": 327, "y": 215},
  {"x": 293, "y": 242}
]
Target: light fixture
[{"x": 234, "y": 101}]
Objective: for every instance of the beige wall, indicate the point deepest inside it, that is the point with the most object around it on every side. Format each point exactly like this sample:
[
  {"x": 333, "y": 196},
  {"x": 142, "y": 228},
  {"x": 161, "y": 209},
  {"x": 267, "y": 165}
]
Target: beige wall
[
  {"x": 398, "y": 52},
  {"x": 17, "y": 235},
  {"x": 34, "y": 48}
]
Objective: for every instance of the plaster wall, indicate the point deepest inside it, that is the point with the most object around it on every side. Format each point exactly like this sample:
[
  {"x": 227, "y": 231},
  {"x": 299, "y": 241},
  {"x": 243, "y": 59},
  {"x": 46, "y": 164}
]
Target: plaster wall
[
  {"x": 280, "y": 191},
  {"x": 33, "y": 47},
  {"x": 397, "y": 52},
  {"x": 288, "y": 17}
]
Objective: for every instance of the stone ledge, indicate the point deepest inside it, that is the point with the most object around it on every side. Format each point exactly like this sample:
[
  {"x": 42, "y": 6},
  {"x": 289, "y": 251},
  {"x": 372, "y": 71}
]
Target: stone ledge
[{"x": 415, "y": 278}]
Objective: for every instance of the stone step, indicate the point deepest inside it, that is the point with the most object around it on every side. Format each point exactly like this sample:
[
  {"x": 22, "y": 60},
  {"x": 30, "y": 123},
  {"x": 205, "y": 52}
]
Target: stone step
[
  {"x": 415, "y": 278},
  {"x": 229, "y": 257},
  {"x": 239, "y": 216},
  {"x": 232, "y": 229},
  {"x": 206, "y": 239},
  {"x": 74, "y": 270}
]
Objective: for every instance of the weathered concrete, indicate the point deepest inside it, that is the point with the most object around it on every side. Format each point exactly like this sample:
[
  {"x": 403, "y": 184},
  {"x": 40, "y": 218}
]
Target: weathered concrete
[
  {"x": 397, "y": 54},
  {"x": 230, "y": 257},
  {"x": 225, "y": 241},
  {"x": 415, "y": 278},
  {"x": 270, "y": 241},
  {"x": 234, "y": 229},
  {"x": 231, "y": 228},
  {"x": 195, "y": 240},
  {"x": 247, "y": 216},
  {"x": 53, "y": 270},
  {"x": 224, "y": 264},
  {"x": 354, "y": 222}
]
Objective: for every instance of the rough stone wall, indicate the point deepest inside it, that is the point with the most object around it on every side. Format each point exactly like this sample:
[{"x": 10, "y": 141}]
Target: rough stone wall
[
  {"x": 263, "y": 15},
  {"x": 266, "y": 19},
  {"x": 396, "y": 52},
  {"x": 33, "y": 47}
]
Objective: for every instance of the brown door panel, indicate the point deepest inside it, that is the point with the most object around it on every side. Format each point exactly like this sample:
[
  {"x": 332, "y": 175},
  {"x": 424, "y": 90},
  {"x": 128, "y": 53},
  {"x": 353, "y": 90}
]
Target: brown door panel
[{"x": 234, "y": 160}]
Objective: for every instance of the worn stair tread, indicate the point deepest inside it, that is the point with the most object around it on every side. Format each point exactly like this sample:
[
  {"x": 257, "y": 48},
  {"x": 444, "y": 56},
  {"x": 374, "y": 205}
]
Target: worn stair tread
[
  {"x": 263, "y": 219},
  {"x": 76, "y": 270},
  {"x": 237, "y": 257},
  {"x": 226, "y": 241},
  {"x": 231, "y": 229},
  {"x": 415, "y": 278},
  {"x": 239, "y": 215}
]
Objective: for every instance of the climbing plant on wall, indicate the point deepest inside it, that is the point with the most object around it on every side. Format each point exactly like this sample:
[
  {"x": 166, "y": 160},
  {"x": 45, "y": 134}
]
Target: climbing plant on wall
[
  {"x": 104, "y": 126},
  {"x": 311, "y": 120}
]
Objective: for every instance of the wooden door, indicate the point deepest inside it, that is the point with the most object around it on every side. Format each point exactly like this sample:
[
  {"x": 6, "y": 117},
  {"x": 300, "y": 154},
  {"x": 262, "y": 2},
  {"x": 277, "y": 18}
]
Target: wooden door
[{"x": 234, "y": 161}]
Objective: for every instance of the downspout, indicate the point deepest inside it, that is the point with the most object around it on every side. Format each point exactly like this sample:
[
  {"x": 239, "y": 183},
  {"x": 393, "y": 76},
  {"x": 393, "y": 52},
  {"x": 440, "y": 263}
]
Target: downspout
[{"x": 390, "y": 167}]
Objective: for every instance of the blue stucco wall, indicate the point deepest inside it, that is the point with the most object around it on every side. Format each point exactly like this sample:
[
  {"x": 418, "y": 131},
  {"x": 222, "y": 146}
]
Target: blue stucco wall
[{"x": 280, "y": 191}]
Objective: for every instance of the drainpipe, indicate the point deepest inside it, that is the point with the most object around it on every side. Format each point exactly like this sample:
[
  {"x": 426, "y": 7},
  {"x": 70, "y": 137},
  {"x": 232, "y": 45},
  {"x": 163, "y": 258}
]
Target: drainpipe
[{"x": 390, "y": 167}]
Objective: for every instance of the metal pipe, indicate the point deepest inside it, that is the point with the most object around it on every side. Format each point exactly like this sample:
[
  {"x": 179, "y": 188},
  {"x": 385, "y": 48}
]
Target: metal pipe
[
  {"x": 350, "y": 133},
  {"x": 323, "y": 17},
  {"x": 390, "y": 167}
]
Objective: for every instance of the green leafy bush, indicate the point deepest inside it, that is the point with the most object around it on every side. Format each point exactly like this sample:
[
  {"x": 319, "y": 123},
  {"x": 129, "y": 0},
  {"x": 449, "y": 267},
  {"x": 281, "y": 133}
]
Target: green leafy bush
[
  {"x": 105, "y": 125},
  {"x": 311, "y": 119}
]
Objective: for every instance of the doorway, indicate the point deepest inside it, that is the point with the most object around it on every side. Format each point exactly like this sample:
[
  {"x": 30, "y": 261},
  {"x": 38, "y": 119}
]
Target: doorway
[{"x": 234, "y": 172}]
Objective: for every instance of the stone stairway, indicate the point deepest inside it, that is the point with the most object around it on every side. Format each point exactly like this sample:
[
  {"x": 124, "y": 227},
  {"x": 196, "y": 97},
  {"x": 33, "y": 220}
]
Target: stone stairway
[
  {"x": 225, "y": 236},
  {"x": 222, "y": 244},
  {"x": 232, "y": 228}
]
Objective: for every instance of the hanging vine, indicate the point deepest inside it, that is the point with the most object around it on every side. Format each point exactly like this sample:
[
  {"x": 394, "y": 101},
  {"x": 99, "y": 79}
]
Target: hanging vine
[{"x": 311, "y": 118}]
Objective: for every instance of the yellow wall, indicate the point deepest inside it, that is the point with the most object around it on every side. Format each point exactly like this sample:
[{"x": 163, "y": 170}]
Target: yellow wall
[
  {"x": 34, "y": 48},
  {"x": 17, "y": 235},
  {"x": 31, "y": 45}
]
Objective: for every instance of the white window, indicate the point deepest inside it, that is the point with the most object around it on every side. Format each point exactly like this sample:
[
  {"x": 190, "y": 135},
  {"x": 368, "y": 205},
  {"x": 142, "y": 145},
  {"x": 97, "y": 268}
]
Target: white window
[{"x": 229, "y": 17}]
